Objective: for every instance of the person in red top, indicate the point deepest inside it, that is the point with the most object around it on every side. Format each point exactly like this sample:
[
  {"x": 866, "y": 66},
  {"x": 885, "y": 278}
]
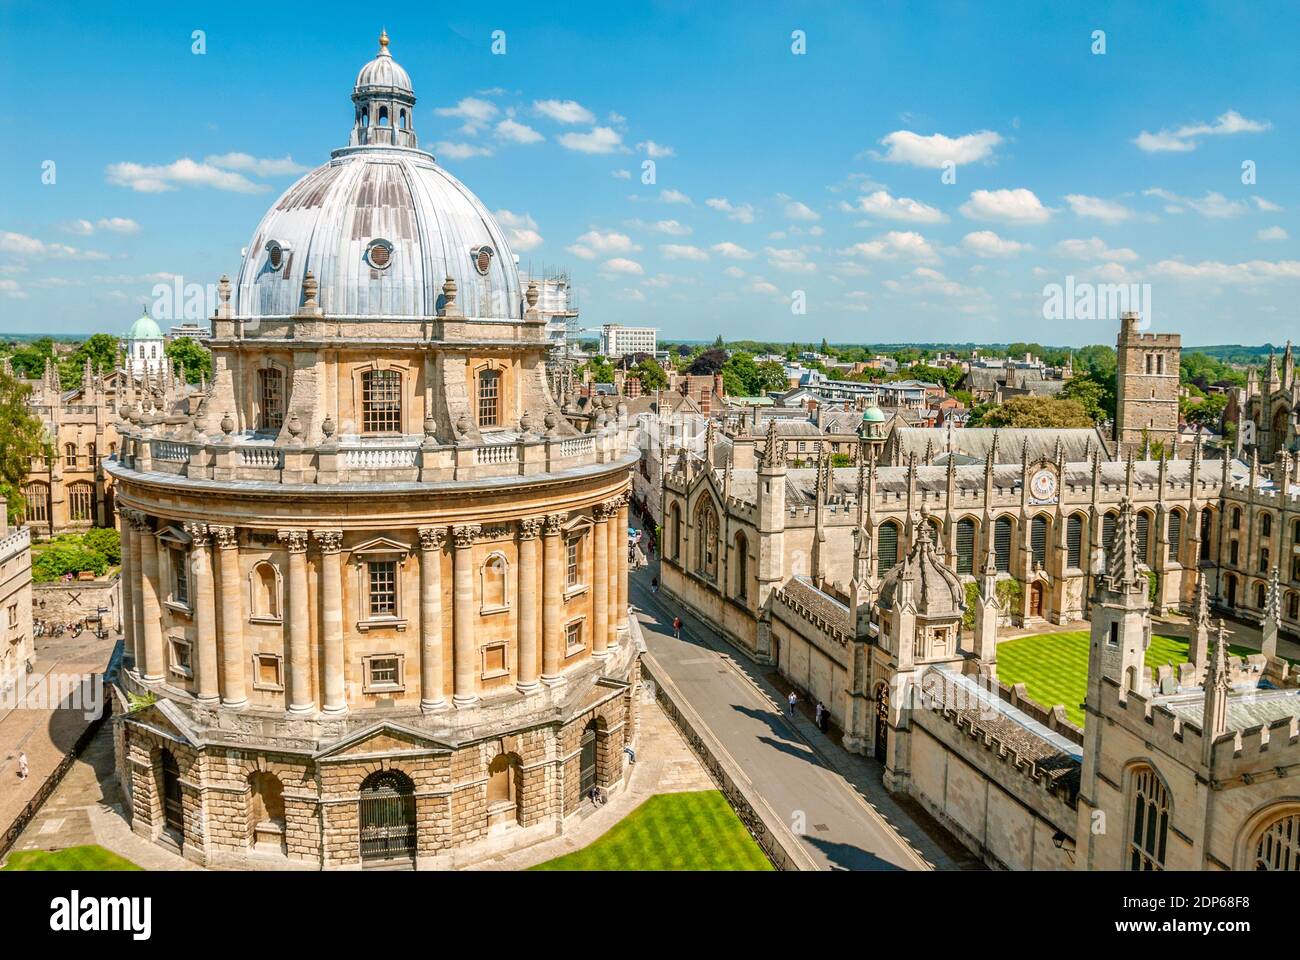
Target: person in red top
[{"x": 677, "y": 627}]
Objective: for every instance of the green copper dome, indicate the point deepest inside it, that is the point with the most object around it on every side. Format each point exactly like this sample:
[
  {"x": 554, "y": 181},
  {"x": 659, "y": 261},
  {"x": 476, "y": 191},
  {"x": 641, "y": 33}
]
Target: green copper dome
[{"x": 144, "y": 329}]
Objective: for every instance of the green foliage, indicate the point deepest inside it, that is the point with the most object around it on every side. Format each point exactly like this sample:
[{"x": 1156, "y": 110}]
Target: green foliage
[
  {"x": 188, "y": 352},
  {"x": 29, "y": 360},
  {"x": 972, "y": 600},
  {"x": 64, "y": 556},
  {"x": 1036, "y": 412},
  {"x": 1009, "y": 593},
  {"x": 1153, "y": 586},
  {"x": 841, "y": 460},
  {"x": 1207, "y": 412},
  {"x": 105, "y": 540},
  {"x": 1096, "y": 397},
  {"x": 651, "y": 375},
  {"x": 137, "y": 701},
  {"x": 709, "y": 362},
  {"x": 21, "y": 438},
  {"x": 600, "y": 369}
]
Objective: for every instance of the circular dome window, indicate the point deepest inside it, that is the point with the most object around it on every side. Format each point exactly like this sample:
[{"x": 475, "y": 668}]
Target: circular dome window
[
  {"x": 483, "y": 259},
  {"x": 379, "y": 254},
  {"x": 274, "y": 255}
]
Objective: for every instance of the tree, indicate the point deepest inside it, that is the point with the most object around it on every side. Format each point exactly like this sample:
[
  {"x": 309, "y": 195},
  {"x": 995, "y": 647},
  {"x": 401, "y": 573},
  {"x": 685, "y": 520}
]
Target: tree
[
  {"x": 1208, "y": 412},
  {"x": 188, "y": 352},
  {"x": 1037, "y": 412},
  {"x": 1096, "y": 398},
  {"x": 709, "y": 362},
  {"x": 651, "y": 375},
  {"x": 600, "y": 369},
  {"x": 29, "y": 361},
  {"x": 771, "y": 376},
  {"x": 21, "y": 438}
]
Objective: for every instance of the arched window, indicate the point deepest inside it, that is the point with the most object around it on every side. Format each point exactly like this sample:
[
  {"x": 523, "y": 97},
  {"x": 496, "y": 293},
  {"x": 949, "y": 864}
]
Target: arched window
[
  {"x": 381, "y": 401},
  {"x": 1207, "y": 526},
  {"x": 1266, "y": 525},
  {"x": 1175, "y": 533},
  {"x": 489, "y": 398},
  {"x": 1293, "y": 605},
  {"x": 264, "y": 581},
  {"x": 37, "y": 496},
  {"x": 383, "y": 116},
  {"x": 1002, "y": 544},
  {"x": 1236, "y": 518},
  {"x": 1149, "y": 805},
  {"x": 1276, "y": 843},
  {"x": 675, "y": 524},
  {"x": 70, "y": 456},
  {"x": 706, "y": 539},
  {"x": 1143, "y": 537},
  {"x": 741, "y": 589},
  {"x": 1074, "y": 542},
  {"x": 1038, "y": 540},
  {"x": 503, "y": 777},
  {"x": 265, "y": 798},
  {"x": 401, "y": 119},
  {"x": 1261, "y": 596},
  {"x": 886, "y": 547},
  {"x": 270, "y": 414},
  {"x": 81, "y": 502},
  {"x": 493, "y": 583},
  {"x": 966, "y": 546}
]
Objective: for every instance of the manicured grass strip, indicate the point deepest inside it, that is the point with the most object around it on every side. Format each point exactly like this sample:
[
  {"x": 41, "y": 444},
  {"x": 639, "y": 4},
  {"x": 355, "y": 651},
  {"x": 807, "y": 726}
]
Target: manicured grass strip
[
  {"x": 671, "y": 831},
  {"x": 1054, "y": 666},
  {"x": 90, "y": 857}
]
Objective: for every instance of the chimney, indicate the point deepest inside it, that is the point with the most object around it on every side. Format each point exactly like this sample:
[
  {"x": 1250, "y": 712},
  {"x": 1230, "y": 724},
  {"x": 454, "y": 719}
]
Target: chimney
[{"x": 632, "y": 385}]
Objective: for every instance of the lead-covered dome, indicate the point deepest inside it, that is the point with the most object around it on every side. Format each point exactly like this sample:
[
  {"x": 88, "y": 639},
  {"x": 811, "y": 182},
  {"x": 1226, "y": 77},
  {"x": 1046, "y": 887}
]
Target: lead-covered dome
[{"x": 381, "y": 226}]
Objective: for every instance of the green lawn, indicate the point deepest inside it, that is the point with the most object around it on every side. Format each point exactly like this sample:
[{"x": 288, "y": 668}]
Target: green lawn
[
  {"x": 671, "y": 831},
  {"x": 89, "y": 857},
  {"x": 1054, "y": 666}
]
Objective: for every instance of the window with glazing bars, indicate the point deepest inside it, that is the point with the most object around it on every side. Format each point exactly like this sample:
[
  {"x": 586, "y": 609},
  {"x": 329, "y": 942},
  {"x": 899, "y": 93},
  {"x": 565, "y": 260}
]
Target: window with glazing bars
[
  {"x": 489, "y": 398},
  {"x": 887, "y": 547},
  {"x": 272, "y": 390},
  {"x": 180, "y": 577},
  {"x": 1150, "y": 821},
  {"x": 1143, "y": 535},
  {"x": 965, "y": 546},
  {"x": 1175, "y": 534},
  {"x": 381, "y": 401},
  {"x": 383, "y": 588},
  {"x": 1074, "y": 542},
  {"x": 571, "y": 558},
  {"x": 81, "y": 501},
  {"x": 1002, "y": 545},
  {"x": 1038, "y": 539}
]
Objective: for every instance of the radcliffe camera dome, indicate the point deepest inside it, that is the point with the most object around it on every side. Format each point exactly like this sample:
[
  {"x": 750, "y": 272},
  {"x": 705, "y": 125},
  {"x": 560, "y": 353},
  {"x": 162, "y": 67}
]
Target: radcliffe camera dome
[{"x": 381, "y": 226}]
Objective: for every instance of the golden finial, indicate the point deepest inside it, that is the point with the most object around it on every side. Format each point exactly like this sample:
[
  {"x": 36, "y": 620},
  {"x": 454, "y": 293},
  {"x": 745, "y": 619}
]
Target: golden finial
[{"x": 383, "y": 40}]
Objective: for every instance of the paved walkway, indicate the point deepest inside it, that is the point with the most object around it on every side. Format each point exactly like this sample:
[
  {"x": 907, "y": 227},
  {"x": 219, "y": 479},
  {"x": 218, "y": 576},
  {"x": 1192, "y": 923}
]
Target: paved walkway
[{"x": 834, "y": 799}]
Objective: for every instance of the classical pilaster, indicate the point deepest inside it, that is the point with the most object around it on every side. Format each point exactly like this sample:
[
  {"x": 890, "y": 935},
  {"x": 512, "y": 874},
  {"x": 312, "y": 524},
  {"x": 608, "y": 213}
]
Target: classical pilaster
[
  {"x": 139, "y": 526},
  {"x": 618, "y": 571},
  {"x": 431, "y": 650},
  {"x": 465, "y": 619},
  {"x": 331, "y": 619},
  {"x": 151, "y": 608},
  {"x": 529, "y": 634},
  {"x": 301, "y": 699},
  {"x": 622, "y": 567},
  {"x": 600, "y": 582},
  {"x": 552, "y": 590},
  {"x": 234, "y": 694},
  {"x": 127, "y": 587},
  {"x": 205, "y": 614}
]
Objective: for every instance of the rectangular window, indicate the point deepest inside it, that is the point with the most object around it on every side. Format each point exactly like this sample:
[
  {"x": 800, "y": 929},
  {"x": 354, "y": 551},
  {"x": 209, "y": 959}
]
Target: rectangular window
[
  {"x": 1234, "y": 553},
  {"x": 1263, "y": 559},
  {"x": 571, "y": 560},
  {"x": 180, "y": 577},
  {"x": 381, "y": 401},
  {"x": 180, "y": 657},
  {"x": 1002, "y": 545},
  {"x": 886, "y": 548},
  {"x": 13, "y": 615},
  {"x": 1038, "y": 540},
  {"x": 1175, "y": 534},
  {"x": 267, "y": 674},
  {"x": 383, "y": 672},
  {"x": 1074, "y": 542},
  {"x": 965, "y": 546},
  {"x": 1143, "y": 531},
  {"x": 272, "y": 412},
  {"x": 489, "y": 398},
  {"x": 573, "y": 635},
  {"x": 383, "y": 588}
]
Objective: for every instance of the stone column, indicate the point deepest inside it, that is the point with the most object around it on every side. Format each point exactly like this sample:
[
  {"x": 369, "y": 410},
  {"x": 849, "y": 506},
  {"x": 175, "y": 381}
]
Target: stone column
[
  {"x": 138, "y": 525},
  {"x": 331, "y": 620},
  {"x": 465, "y": 619},
  {"x": 529, "y": 634},
  {"x": 126, "y": 585},
  {"x": 205, "y": 613},
  {"x": 301, "y": 699},
  {"x": 621, "y": 626},
  {"x": 431, "y": 655},
  {"x": 151, "y": 607},
  {"x": 552, "y": 590},
  {"x": 234, "y": 695},
  {"x": 600, "y": 581}
]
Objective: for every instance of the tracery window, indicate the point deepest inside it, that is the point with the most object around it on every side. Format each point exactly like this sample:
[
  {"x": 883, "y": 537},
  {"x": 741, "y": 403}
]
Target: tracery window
[
  {"x": 706, "y": 544},
  {"x": 1277, "y": 844},
  {"x": 1150, "y": 811}
]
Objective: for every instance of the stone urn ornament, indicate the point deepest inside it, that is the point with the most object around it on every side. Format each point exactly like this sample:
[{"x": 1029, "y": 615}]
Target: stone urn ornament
[
  {"x": 551, "y": 421},
  {"x": 294, "y": 426},
  {"x": 327, "y": 427},
  {"x": 462, "y": 424},
  {"x": 227, "y": 424},
  {"x": 430, "y": 427},
  {"x": 526, "y": 423}
]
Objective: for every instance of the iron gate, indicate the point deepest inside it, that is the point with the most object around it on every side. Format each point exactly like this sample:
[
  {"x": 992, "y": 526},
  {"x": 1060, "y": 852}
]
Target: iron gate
[
  {"x": 173, "y": 808},
  {"x": 386, "y": 815},
  {"x": 588, "y": 779}
]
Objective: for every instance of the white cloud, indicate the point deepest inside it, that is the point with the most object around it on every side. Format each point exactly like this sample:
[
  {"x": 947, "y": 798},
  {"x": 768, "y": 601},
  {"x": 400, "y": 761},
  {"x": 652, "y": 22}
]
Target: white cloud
[
  {"x": 460, "y": 151},
  {"x": 1105, "y": 210},
  {"x": 671, "y": 227},
  {"x": 796, "y": 210},
  {"x": 475, "y": 112},
  {"x": 623, "y": 265},
  {"x": 595, "y": 243},
  {"x": 732, "y": 251},
  {"x": 1183, "y": 139},
  {"x": 118, "y": 225},
  {"x": 741, "y": 213},
  {"x": 682, "y": 251},
  {"x": 597, "y": 140},
  {"x": 522, "y": 229},
  {"x": 1093, "y": 248},
  {"x": 1008, "y": 206},
  {"x": 674, "y": 196},
  {"x": 10, "y": 288},
  {"x": 516, "y": 132},
  {"x": 22, "y": 245},
  {"x": 789, "y": 260},
  {"x": 1213, "y": 205},
  {"x": 896, "y": 243},
  {"x": 656, "y": 150},
  {"x": 1271, "y": 233},
  {"x": 1268, "y": 206},
  {"x": 564, "y": 111},
  {"x": 881, "y": 204},
  {"x": 986, "y": 243},
  {"x": 621, "y": 174},
  {"x": 1253, "y": 271},
  {"x": 735, "y": 272},
  {"x": 934, "y": 151},
  {"x": 633, "y": 294},
  {"x": 82, "y": 228},
  {"x": 157, "y": 178},
  {"x": 257, "y": 166},
  {"x": 762, "y": 286}
]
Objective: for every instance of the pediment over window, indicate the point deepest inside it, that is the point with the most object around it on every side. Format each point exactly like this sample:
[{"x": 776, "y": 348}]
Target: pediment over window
[
  {"x": 386, "y": 738},
  {"x": 381, "y": 548},
  {"x": 175, "y": 536},
  {"x": 578, "y": 524}
]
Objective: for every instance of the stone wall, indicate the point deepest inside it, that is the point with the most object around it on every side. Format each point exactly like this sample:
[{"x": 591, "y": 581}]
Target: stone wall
[{"x": 67, "y": 602}]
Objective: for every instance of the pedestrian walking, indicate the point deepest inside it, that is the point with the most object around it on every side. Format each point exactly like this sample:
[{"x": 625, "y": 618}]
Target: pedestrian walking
[
  {"x": 792, "y": 700},
  {"x": 823, "y": 717},
  {"x": 654, "y": 584},
  {"x": 818, "y": 714},
  {"x": 677, "y": 627},
  {"x": 22, "y": 765}
]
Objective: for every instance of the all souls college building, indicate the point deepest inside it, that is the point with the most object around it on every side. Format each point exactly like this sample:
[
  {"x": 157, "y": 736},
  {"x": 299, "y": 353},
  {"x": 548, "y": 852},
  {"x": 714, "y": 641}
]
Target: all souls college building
[{"x": 375, "y": 582}]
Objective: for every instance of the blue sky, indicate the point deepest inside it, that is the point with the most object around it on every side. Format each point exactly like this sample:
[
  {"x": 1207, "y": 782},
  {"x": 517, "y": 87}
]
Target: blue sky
[{"x": 780, "y": 178}]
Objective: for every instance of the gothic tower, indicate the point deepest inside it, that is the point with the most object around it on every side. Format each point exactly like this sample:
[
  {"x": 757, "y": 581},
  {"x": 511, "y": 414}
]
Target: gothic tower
[{"x": 1146, "y": 387}]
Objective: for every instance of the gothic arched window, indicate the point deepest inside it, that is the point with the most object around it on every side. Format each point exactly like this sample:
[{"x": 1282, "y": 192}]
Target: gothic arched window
[
  {"x": 706, "y": 542},
  {"x": 1149, "y": 806},
  {"x": 1276, "y": 844}
]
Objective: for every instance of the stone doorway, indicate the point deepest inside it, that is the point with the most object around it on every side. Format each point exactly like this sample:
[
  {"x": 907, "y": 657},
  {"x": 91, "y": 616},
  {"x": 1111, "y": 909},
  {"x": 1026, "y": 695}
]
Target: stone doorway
[
  {"x": 386, "y": 817},
  {"x": 1036, "y": 599},
  {"x": 173, "y": 806},
  {"x": 587, "y": 778}
]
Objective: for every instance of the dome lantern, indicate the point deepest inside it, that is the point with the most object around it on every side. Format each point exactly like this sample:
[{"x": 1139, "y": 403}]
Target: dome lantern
[{"x": 385, "y": 103}]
